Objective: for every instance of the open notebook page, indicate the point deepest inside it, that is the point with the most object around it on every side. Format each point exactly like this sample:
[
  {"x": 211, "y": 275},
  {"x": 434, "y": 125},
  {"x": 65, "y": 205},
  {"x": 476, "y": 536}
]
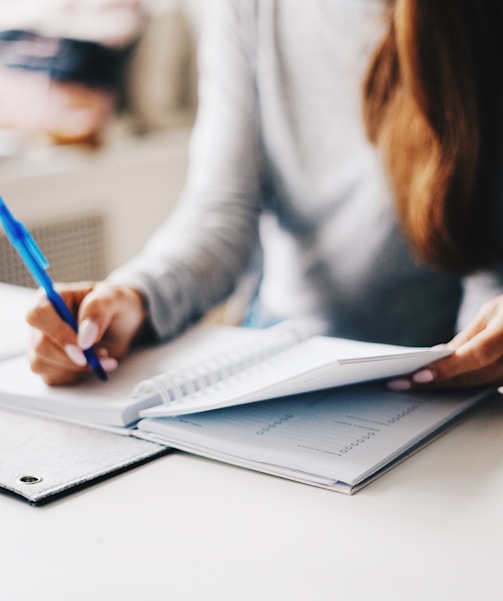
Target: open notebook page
[
  {"x": 109, "y": 403},
  {"x": 315, "y": 363}
]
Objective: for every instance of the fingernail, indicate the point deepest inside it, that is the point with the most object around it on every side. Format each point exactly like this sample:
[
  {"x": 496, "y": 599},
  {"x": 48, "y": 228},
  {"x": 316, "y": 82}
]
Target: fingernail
[
  {"x": 424, "y": 376},
  {"x": 75, "y": 354},
  {"x": 400, "y": 384},
  {"x": 109, "y": 364},
  {"x": 88, "y": 332}
]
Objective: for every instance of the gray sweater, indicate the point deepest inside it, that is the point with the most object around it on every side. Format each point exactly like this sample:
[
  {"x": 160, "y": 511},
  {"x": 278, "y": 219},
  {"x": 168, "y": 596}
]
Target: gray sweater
[{"x": 283, "y": 182}]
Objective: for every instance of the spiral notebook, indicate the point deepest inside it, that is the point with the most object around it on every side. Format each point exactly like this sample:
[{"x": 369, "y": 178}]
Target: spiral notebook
[
  {"x": 339, "y": 437},
  {"x": 210, "y": 367}
]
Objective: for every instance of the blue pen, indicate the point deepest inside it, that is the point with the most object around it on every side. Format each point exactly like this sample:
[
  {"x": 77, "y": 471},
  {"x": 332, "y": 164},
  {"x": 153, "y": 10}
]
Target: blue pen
[{"x": 37, "y": 264}]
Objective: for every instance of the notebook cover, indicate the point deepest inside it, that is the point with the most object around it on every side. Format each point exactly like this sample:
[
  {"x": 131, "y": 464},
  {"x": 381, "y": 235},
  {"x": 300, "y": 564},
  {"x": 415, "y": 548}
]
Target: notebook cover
[{"x": 42, "y": 460}]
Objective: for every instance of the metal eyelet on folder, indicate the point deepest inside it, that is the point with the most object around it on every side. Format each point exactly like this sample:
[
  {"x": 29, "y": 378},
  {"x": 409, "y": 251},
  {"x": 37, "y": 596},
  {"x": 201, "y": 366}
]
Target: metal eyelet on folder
[{"x": 28, "y": 479}]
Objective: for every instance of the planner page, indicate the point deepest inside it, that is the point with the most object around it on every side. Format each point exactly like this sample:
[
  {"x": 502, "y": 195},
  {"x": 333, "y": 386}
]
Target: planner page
[{"x": 343, "y": 434}]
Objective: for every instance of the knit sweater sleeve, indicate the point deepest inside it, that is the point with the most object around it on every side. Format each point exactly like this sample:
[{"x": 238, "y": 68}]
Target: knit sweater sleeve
[{"x": 195, "y": 258}]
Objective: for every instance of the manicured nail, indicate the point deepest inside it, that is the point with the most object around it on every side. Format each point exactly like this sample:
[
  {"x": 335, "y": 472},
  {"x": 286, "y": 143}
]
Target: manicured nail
[
  {"x": 76, "y": 355},
  {"x": 423, "y": 376},
  {"x": 88, "y": 332},
  {"x": 401, "y": 384},
  {"x": 109, "y": 364}
]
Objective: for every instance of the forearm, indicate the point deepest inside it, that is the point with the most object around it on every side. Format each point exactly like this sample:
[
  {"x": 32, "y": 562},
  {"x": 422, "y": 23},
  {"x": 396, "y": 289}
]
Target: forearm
[{"x": 192, "y": 263}]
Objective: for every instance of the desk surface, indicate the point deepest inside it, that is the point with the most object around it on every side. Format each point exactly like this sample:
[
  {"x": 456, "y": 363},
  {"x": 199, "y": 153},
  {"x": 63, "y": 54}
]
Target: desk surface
[
  {"x": 14, "y": 303},
  {"x": 185, "y": 528}
]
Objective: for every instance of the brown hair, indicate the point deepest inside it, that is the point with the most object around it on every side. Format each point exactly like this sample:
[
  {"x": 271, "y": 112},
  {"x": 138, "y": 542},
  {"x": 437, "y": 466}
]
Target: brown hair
[{"x": 432, "y": 104}]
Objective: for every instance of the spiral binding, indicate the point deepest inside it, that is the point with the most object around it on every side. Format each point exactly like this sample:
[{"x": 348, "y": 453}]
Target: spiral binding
[{"x": 177, "y": 385}]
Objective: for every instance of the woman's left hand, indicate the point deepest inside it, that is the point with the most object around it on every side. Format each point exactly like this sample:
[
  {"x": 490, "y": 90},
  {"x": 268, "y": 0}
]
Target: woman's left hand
[{"x": 476, "y": 359}]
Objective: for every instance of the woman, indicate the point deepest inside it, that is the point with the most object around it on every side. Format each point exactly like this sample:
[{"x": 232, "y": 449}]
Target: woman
[{"x": 382, "y": 223}]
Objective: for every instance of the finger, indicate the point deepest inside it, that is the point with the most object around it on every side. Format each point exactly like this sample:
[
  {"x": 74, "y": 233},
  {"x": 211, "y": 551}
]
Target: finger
[
  {"x": 108, "y": 363},
  {"x": 43, "y": 316},
  {"x": 482, "y": 351},
  {"x": 472, "y": 330},
  {"x": 491, "y": 375},
  {"x": 49, "y": 360},
  {"x": 478, "y": 362},
  {"x": 489, "y": 312},
  {"x": 53, "y": 375},
  {"x": 478, "y": 346},
  {"x": 50, "y": 351}
]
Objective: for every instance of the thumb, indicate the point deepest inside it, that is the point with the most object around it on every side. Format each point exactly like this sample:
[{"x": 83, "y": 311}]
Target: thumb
[
  {"x": 111, "y": 315},
  {"x": 96, "y": 312},
  {"x": 88, "y": 334}
]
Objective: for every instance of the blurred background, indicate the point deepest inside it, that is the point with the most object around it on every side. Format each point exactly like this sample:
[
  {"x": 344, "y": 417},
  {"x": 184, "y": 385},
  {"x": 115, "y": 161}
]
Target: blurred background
[{"x": 97, "y": 104}]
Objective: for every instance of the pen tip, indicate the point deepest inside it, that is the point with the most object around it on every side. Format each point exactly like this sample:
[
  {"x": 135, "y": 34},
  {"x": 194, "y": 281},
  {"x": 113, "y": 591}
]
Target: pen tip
[{"x": 102, "y": 375}]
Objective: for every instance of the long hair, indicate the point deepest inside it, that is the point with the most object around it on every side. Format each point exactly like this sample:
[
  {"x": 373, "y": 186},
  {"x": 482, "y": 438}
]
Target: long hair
[{"x": 432, "y": 104}]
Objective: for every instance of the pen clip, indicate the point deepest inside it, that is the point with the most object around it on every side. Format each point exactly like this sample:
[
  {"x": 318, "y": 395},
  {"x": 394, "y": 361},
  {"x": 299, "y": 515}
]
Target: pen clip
[{"x": 19, "y": 236}]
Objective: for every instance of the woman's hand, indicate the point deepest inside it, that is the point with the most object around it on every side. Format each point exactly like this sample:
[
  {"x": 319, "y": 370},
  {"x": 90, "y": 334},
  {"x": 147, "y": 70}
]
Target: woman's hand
[
  {"x": 477, "y": 357},
  {"x": 109, "y": 317}
]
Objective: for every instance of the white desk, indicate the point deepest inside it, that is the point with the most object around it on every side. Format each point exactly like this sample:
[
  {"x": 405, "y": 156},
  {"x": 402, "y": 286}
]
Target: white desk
[
  {"x": 186, "y": 529},
  {"x": 14, "y": 303}
]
